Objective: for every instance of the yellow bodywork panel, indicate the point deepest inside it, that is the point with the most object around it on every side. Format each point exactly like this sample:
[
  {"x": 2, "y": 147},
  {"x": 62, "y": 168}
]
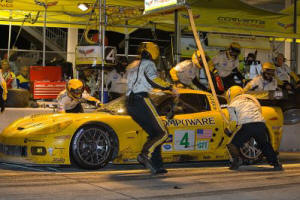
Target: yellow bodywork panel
[{"x": 194, "y": 136}]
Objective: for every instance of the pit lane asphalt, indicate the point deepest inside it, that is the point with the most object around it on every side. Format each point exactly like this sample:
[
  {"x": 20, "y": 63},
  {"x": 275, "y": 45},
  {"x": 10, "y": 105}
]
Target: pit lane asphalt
[{"x": 205, "y": 180}]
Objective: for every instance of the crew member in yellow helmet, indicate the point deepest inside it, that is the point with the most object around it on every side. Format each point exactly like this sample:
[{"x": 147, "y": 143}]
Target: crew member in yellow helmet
[
  {"x": 186, "y": 73},
  {"x": 264, "y": 82},
  {"x": 226, "y": 64},
  {"x": 246, "y": 112},
  {"x": 70, "y": 99},
  {"x": 3, "y": 92},
  {"x": 141, "y": 79}
]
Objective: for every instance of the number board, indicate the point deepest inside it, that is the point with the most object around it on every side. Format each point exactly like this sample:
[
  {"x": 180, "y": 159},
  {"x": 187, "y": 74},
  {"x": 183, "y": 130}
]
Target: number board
[
  {"x": 110, "y": 55},
  {"x": 184, "y": 140}
]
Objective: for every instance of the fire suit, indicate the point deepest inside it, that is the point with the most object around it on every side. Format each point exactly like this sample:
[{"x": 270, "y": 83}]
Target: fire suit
[
  {"x": 10, "y": 79},
  {"x": 227, "y": 67},
  {"x": 142, "y": 78},
  {"x": 246, "y": 111},
  {"x": 117, "y": 83},
  {"x": 260, "y": 84},
  {"x": 69, "y": 104},
  {"x": 284, "y": 74},
  {"x": 186, "y": 73}
]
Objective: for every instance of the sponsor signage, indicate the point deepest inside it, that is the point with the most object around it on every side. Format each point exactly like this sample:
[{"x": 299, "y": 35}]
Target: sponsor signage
[
  {"x": 251, "y": 42},
  {"x": 162, "y": 5},
  {"x": 202, "y": 145},
  {"x": 6, "y": 4}
]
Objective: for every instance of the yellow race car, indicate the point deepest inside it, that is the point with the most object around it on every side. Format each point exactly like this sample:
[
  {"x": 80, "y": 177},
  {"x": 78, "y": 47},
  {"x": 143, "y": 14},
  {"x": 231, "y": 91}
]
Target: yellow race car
[{"x": 91, "y": 140}]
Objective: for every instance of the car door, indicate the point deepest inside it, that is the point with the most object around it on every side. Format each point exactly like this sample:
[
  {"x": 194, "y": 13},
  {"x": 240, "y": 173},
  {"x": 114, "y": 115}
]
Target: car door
[{"x": 194, "y": 131}]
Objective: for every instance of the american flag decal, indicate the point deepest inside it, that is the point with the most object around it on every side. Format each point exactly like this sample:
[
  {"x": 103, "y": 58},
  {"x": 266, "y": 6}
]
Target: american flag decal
[{"x": 204, "y": 133}]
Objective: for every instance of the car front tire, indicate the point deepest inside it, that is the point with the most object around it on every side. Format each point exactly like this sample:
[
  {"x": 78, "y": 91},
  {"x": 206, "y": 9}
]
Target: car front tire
[{"x": 92, "y": 147}]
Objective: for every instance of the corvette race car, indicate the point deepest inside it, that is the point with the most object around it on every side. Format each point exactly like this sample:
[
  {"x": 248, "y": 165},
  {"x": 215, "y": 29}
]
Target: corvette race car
[{"x": 91, "y": 140}]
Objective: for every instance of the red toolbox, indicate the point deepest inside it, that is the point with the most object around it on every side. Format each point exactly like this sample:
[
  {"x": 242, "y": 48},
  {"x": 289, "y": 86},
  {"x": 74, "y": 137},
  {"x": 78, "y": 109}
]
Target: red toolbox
[
  {"x": 45, "y": 73},
  {"x": 47, "y": 89},
  {"x": 46, "y": 81}
]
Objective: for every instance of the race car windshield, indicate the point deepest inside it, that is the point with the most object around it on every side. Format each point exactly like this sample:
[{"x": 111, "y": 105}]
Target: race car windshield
[{"x": 118, "y": 107}]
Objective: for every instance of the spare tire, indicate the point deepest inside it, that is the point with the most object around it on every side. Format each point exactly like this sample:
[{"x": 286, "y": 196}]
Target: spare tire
[{"x": 17, "y": 98}]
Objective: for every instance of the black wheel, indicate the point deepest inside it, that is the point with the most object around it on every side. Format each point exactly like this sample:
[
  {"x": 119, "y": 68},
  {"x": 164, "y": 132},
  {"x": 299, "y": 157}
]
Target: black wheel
[
  {"x": 17, "y": 98},
  {"x": 250, "y": 152},
  {"x": 92, "y": 147}
]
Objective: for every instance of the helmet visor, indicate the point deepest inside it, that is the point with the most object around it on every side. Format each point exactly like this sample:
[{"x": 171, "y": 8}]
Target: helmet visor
[{"x": 77, "y": 92}]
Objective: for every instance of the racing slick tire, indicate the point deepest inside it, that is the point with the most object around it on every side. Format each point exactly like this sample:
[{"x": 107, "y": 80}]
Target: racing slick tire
[
  {"x": 17, "y": 98},
  {"x": 92, "y": 147},
  {"x": 250, "y": 152}
]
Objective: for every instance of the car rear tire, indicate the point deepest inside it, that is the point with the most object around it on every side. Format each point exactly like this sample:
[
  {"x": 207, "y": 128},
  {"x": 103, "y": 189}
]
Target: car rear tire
[
  {"x": 92, "y": 147},
  {"x": 250, "y": 152}
]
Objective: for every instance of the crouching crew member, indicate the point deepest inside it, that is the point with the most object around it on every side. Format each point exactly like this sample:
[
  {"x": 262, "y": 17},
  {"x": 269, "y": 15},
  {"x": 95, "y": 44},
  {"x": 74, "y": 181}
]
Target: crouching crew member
[
  {"x": 186, "y": 73},
  {"x": 264, "y": 82},
  {"x": 70, "y": 99},
  {"x": 142, "y": 78},
  {"x": 3, "y": 92},
  {"x": 246, "y": 111}
]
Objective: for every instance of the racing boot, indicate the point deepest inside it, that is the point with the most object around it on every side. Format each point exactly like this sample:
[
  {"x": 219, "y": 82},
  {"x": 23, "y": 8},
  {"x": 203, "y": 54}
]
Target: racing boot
[
  {"x": 146, "y": 162},
  {"x": 161, "y": 170},
  {"x": 235, "y": 161},
  {"x": 277, "y": 166}
]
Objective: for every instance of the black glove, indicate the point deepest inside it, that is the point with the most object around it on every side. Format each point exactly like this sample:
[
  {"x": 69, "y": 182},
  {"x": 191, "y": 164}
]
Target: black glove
[{"x": 227, "y": 132}]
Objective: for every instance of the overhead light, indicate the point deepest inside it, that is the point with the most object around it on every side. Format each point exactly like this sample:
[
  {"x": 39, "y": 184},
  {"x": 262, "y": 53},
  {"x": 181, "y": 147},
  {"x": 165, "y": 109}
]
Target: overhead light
[{"x": 83, "y": 7}]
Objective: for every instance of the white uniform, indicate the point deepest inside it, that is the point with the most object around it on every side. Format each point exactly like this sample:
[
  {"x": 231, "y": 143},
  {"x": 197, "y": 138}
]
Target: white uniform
[
  {"x": 92, "y": 84},
  {"x": 245, "y": 109},
  {"x": 283, "y": 73},
  {"x": 224, "y": 65},
  {"x": 136, "y": 78},
  {"x": 118, "y": 82},
  {"x": 186, "y": 72},
  {"x": 260, "y": 84},
  {"x": 65, "y": 102}
]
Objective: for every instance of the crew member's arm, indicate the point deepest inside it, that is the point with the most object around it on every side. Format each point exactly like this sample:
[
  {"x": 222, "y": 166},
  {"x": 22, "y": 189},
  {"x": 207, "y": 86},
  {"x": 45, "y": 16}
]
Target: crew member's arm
[
  {"x": 296, "y": 78},
  {"x": 252, "y": 85},
  {"x": 211, "y": 66},
  {"x": 156, "y": 82},
  {"x": 61, "y": 100},
  {"x": 91, "y": 100}
]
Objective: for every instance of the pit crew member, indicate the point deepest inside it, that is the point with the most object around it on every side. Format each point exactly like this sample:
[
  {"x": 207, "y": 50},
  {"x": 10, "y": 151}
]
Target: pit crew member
[
  {"x": 117, "y": 79},
  {"x": 226, "y": 64},
  {"x": 70, "y": 99},
  {"x": 246, "y": 112},
  {"x": 3, "y": 92},
  {"x": 8, "y": 75},
  {"x": 284, "y": 74},
  {"x": 264, "y": 82},
  {"x": 142, "y": 78},
  {"x": 186, "y": 73}
]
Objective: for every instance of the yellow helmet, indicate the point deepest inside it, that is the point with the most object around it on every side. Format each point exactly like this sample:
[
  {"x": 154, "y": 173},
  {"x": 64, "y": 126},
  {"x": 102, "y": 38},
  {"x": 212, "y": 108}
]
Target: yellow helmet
[
  {"x": 232, "y": 92},
  {"x": 197, "y": 60},
  {"x": 268, "y": 66},
  {"x": 151, "y": 48},
  {"x": 75, "y": 88},
  {"x": 235, "y": 48}
]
